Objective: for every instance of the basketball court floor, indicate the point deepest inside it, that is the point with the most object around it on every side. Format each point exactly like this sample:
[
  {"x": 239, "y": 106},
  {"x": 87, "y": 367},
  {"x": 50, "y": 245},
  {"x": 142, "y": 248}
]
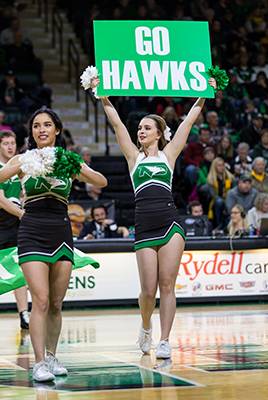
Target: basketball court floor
[{"x": 218, "y": 353}]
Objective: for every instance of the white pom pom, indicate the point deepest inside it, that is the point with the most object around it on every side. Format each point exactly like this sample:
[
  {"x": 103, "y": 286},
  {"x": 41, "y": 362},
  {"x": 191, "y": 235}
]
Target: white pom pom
[
  {"x": 48, "y": 155},
  {"x": 38, "y": 162},
  {"x": 86, "y": 78},
  {"x": 167, "y": 133}
]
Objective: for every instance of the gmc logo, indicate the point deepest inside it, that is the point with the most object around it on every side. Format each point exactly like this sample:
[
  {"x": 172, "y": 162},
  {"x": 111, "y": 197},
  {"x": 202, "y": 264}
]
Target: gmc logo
[{"x": 219, "y": 287}]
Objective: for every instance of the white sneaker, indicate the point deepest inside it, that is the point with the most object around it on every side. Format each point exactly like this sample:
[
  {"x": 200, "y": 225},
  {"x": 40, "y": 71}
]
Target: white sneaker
[
  {"x": 54, "y": 366},
  {"x": 145, "y": 340},
  {"x": 41, "y": 372},
  {"x": 163, "y": 349}
]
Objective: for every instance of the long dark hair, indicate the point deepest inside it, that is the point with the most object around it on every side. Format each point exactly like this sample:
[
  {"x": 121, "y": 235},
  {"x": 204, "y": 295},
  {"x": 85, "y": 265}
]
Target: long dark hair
[{"x": 57, "y": 122}]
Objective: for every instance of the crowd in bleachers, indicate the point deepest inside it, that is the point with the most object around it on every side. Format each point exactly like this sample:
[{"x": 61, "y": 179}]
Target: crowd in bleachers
[
  {"x": 226, "y": 159},
  {"x": 22, "y": 89}
]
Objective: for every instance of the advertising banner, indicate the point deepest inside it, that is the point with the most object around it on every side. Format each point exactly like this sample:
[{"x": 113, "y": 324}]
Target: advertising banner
[
  {"x": 201, "y": 274},
  {"x": 159, "y": 58},
  {"x": 223, "y": 273}
]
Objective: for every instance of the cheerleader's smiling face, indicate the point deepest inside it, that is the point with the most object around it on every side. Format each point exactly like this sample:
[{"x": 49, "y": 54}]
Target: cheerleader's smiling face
[
  {"x": 44, "y": 131},
  {"x": 148, "y": 132}
]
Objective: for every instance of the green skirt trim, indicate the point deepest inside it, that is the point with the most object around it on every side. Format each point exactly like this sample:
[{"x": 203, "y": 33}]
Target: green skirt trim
[
  {"x": 162, "y": 240},
  {"x": 48, "y": 258}
]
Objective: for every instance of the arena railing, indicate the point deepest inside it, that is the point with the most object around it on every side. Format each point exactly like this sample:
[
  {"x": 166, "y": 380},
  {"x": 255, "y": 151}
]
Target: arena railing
[
  {"x": 73, "y": 58},
  {"x": 42, "y": 11},
  {"x": 57, "y": 26}
]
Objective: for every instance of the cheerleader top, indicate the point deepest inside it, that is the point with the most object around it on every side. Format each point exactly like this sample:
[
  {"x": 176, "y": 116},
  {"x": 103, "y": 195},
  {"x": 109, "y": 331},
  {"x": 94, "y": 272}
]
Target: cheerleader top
[
  {"x": 151, "y": 171},
  {"x": 35, "y": 188}
]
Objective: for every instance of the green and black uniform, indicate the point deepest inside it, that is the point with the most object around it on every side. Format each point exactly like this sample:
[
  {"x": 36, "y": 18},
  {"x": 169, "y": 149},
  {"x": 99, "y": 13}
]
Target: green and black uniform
[
  {"x": 45, "y": 231},
  {"x": 9, "y": 223},
  {"x": 156, "y": 217}
]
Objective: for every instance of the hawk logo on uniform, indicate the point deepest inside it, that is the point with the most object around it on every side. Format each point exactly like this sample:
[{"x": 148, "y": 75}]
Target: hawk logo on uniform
[
  {"x": 51, "y": 183},
  {"x": 55, "y": 183},
  {"x": 151, "y": 171}
]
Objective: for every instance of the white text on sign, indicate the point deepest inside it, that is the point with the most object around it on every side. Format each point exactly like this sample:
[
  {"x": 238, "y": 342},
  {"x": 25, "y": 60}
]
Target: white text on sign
[
  {"x": 122, "y": 75},
  {"x": 157, "y": 42},
  {"x": 163, "y": 75}
]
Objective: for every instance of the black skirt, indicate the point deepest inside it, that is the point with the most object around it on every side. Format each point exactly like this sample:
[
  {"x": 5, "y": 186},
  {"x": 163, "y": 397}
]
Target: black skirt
[
  {"x": 156, "y": 222},
  {"x": 9, "y": 225},
  {"x": 45, "y": 232}
]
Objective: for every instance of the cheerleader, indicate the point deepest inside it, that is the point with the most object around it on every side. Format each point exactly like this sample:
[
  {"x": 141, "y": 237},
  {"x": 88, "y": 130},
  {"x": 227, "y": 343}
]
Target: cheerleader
[
  {"x": 159, "y": 237},
  {"x": 10, "y": 215},
  {"x": 45, "y": 243}
]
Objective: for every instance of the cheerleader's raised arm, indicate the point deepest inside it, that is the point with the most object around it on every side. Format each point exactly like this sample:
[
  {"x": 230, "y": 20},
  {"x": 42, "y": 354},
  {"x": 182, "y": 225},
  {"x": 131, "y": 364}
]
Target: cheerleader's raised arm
[{"x": 176, "y": 145}]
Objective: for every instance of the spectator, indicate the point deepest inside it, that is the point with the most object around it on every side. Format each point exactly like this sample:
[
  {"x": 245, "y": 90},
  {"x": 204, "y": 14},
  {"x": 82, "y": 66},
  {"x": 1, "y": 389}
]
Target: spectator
[
  {"x": 242, "y": 164},
  {"x": 193, "y": 155},
  {"x": 100, "y": 227},
  {"x": 11, "y": 94},
  {"x": 243, "y": 71},
  {"x": 261, "y": 65},
  {"x": 251, "y": 133},
  {"x": 3, "y": 126},
  {"x": 199, "y": 225},
  {"x": 261, "y": 149},
  {"x": 209, "y": 155},
  {"x": 85, "y": 154},
  {"x": 195, "y": 208},
  {"x": 219, "y": 182},
  {"x": 259, "y": 176},
  {"x": 247, "y": 111},
  {"x": 171, "y": 117},
  {"x": 225, "y": 150},
  {"x": 255, "y": 23},
  {"x": 8, "y": 35},
  {"x": 258, "y": 89},
  {"x": 259, "y": 211},
  {"x": 93, "y": 192},
  {"x": 238, "y": 225},
  {"x": 216, "y": 132},
  {"x": 243, "y": 194}
]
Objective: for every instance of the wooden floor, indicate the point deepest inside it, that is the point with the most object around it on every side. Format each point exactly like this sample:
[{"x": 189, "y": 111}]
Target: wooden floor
[{"x": 218, "y": 353}]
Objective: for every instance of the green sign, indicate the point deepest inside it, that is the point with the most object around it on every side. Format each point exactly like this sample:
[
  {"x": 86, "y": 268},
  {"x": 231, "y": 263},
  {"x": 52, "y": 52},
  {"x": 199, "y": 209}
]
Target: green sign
[{"x": 159, "y": 58}]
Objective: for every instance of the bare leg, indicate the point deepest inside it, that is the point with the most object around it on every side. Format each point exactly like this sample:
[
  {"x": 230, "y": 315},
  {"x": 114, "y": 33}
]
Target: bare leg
[
  {"x": 36, "y": 275},
  {"x": 169, "y": 257},
  {"x": 21, "y": 299},
  {"x": 147, "y": 263},
  {"x": 59, "y": 277}
]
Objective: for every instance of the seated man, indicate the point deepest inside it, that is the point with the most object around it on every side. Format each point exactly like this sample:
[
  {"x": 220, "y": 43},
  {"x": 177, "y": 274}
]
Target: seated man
[
  {"x": 243, "y": 194},
  {"x": 101, "y": 227},
  {"x": 196, "y": 224}
]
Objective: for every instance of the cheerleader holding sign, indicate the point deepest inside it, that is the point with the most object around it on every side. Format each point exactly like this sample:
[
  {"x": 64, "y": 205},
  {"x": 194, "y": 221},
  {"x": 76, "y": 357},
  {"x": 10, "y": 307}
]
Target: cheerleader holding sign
[{"x": 159, "y": 237}]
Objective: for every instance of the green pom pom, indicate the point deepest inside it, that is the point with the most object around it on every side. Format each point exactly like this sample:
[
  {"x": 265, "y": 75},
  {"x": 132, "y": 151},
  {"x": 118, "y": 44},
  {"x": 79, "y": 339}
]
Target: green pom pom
[
  {"x": 220, "y": 76},
  {"x": 67, "y": 163}
]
